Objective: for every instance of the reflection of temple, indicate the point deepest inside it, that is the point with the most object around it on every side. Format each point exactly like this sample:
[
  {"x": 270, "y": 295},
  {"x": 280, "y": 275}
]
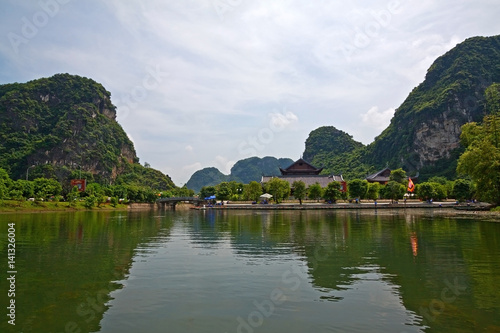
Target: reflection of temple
[{"x": 309, "y": 174}]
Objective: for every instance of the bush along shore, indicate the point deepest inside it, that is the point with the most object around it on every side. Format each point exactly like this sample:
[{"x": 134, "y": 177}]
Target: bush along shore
[{"x": 8, "y": 206}]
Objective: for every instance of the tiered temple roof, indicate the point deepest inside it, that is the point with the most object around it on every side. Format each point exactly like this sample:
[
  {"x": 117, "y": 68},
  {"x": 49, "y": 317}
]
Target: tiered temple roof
[
  {"x": 381, "y": 177},
  {"x": 301, "y": 170}
]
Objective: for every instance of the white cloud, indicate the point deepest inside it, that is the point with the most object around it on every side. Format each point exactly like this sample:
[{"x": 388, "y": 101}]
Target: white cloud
[
  {"x": 377, "y": 119},
  {"x": 228, "y": 75},
  {"x": 280, "y": 121},
  {"x": 223, "y": 164},
  {"x": 192, "y": 167}
]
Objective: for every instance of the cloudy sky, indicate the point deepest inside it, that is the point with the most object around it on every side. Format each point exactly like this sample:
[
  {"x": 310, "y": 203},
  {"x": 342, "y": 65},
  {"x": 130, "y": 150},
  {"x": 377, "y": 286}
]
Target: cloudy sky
[{"x": 202, "y": 83}]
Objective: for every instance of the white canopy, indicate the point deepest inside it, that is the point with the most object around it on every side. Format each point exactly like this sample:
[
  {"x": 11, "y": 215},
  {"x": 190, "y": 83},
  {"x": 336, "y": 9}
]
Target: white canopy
[{"x": 266, "y": 196}]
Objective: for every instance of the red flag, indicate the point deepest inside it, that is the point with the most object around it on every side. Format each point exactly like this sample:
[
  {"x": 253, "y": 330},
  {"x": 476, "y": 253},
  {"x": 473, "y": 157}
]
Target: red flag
[{"x": 411, "y": 186}]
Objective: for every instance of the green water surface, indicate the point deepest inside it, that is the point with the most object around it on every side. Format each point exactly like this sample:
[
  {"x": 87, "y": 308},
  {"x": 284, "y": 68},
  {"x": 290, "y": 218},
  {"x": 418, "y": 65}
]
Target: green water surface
[{"x": 246, "y": 271}]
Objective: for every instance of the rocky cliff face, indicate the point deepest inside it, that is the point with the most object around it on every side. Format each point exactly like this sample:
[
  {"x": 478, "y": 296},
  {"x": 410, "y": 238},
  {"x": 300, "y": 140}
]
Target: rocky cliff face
[
  {"x": 60, "y": 124},
  {"x": 425, "y": 131},
  {"x": 424, "y": 134},
  {"x": 435, "y": 139}
]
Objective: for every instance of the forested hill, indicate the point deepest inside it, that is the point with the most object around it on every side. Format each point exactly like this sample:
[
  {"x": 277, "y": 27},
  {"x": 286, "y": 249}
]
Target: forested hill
[
  {"x": 425, "y": 130},
  {"x": 245, "y": 171},
  {"x": 64, "y": 124},
  {"x": 424, "y": 133}
]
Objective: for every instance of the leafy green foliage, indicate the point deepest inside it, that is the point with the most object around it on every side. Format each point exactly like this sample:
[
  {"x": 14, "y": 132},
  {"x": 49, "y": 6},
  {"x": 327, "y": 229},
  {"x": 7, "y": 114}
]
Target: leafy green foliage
[
  {"x": 299, "y": 190},
  {"x": 89, "y": 202},
  {"x": 140, "y": 176},
  {"x": 114, "y": 201},
  {"x": 223, "y": 191},
  {"x": 315, "y": 191},
  {"x": 357, "y": 188},
  {"x": 207, "y": 191},
  {"x": 462, "y": 189},
  {"x": 332, "y": 192},
  {"x": 46, "y": 188},
  {"x": 373, "y": 192},
  {"x": 399, "y": 176},
  {"x": 481, "y": 159},
  {"x": 393, "y": 190},
  {"x": 278, "y": 188},
  {"x": 424, "y": 191},
  {"x": 252, "y": 191}
]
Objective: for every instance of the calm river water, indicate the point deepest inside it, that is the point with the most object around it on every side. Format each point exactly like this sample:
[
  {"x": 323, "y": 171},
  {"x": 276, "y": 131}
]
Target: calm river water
[{"x": 235, "y": 271}]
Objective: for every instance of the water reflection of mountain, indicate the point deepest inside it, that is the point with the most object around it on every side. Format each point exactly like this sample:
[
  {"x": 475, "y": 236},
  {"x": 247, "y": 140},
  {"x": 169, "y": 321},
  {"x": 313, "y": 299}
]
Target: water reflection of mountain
[
  {"x": 68, "y": 264},
  {"x": 424, "y": 261}
]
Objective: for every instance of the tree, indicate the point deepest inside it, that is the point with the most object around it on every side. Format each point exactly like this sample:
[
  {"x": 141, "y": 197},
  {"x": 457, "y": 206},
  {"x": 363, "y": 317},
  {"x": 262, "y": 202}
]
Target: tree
[
  {"x": 373, "y": 191},
  {"x": 89, "y": 202},
  {"x": 279, "y": 188},
  {"x": 184, "y": 191},
  {"x": 426, "y": 191},
  {"x": 357, "y": 188},
  {"x": 101, "y": 199},
  {"x": 252, "y": 191},
  {"x": 315, "y": 191},
  {"x": 25, "y": 186},
  {"x": 299, "y": 190},
  {"x": 94, "y": 189},
  {"x": 394, "y": 190},
  {"x": 446, "y": 186},
  {"x": 332, "y": 191},
  {"x": 5, "y": 184},
  {"x": 481, "y": 159},
  {"x": 45, "y": 188},
  {"x": 398, "y": 175},
  {"x": 440, "y": 191},
  {"x": 3, "y": 190},
  {"x": 236, "y": 188},
  {"x": 207, "y": 191},
  {"x": 223, "y": 191},
  {"x": 462, "y": 189},
  {"x": 114, "y": 201},
  {"x": 73, "y": 196}
]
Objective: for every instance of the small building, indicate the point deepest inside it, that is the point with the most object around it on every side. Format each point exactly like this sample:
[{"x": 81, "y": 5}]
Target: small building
[
  {"x": 301, "y": 170},
  {"x": 381, "y": 177}
]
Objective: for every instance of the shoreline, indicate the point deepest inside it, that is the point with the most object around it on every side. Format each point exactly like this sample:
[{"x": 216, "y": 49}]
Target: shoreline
[
  {"x": 441, "y": 208},
  {"x": 353, "y": 206}
]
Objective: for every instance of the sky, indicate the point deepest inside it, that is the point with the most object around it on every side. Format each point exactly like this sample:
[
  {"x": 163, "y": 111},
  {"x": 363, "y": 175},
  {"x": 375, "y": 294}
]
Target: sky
[{"x": 205, "y": 83}]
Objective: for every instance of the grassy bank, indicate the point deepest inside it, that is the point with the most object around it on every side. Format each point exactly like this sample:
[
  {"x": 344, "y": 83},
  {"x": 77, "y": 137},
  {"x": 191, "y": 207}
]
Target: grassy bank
[{"x": 7, "y": 206}]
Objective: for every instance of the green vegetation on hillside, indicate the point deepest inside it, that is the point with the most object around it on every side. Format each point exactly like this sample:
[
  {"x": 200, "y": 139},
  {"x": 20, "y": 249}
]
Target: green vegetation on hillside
[
  {"x": 244, "y": 171},
  {"x": 62, "y": 128},
  {"x": 423, "y": 135},
  {"x": 453, "y": 92},
  {"x": 329, "y": 142},
  {"x": 67, "y": 122},
  {"x": 252, "y": 168},
  {"x": 206, "y": 177},
  {"x": 481, "y": 159}
]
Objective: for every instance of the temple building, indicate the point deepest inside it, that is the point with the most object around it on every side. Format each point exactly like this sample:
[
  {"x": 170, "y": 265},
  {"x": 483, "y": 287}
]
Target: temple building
[
  {"x": 309, "y": 174},
  {"x": 381, "y": 177}
]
